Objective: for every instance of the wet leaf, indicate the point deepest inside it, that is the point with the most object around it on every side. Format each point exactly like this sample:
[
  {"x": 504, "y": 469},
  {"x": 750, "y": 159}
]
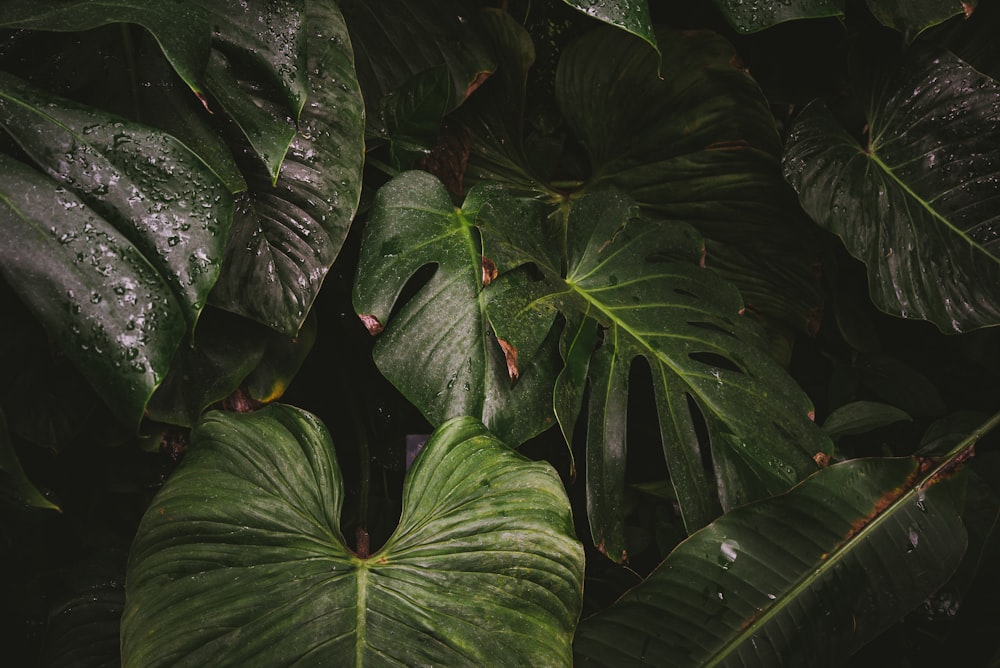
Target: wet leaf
[
  {"x": 749, "y": 16},
  {"x": 285, "y": 237},
  {"x": 916, "y": 200},
  {"x": 914, "y": 16},
  {"x": 629, "y": 15},
  {"x": 240, "y": 557}
]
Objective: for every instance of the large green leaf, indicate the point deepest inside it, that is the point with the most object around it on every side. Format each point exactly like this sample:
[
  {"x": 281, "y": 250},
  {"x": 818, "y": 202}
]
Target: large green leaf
[
  {"x": 916, "y": 201},
  {"x": 749, "y": 16},
  {"x": 439, "y": 348},
  {"x": 286, "y": 237},
  {"x": 632, "y": 17},
  {"x": 240, "y": 557},
  {"x": 151, "y": 187},
  {"x": 639, "y": 280},
  {"x": 802, "y": 579},
  {"x": 914, "y": 16}
]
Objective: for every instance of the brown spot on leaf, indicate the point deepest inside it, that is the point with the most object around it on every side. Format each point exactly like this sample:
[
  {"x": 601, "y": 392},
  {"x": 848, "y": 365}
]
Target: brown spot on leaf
[
  {"x": 968, "y": 8},
  {"x": 811, "y": 415},
  {"x": 510, "y": 354},
  {"x": 371, "y": 323},
  {"x": 704, "y": 256},
  {"x": 489, "y": 271},
  {"x": 480, "y": 79},
  {"x": 822, "y": 459}
]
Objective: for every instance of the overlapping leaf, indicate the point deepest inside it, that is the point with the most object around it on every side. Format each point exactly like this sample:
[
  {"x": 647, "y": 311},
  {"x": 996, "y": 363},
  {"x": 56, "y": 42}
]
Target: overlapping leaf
[
  {"x": 802, "y": 579},
  {"x": 914, "y": 16},
  {"x": 285, "y": 237},
  {"x": 917, "y": 201},
  {"x": 639, "y": 280},
  {"x": 749, "y": 16},
  {"x": 438, "y": 347},
  {"x": 240, "y": 557},
  {"x": 629, "y": 15}
]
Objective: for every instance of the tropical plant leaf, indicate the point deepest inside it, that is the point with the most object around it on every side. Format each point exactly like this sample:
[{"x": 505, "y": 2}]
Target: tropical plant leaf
[
  {"x": 438, "y": 347},
  {"x": 749, "y": 16},
  {"x": 639, "y": 280},
  {"x": 631, "y": 17},
  {"x": 241, "y": 558},
  {"x": 914, "y": 16},
  {"x": 12, "y": 475},
  {"x": 916, "y": 201},
  {"x": 802, "y": 579},
  {"x": 286, "y": 237},
  {"x": 860, "y": 417}
]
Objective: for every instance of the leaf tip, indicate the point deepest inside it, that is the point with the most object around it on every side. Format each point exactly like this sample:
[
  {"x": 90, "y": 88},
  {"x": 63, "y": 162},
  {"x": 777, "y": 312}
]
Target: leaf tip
[
  {"x": 371, "y": 323},
  {"x": 510, "y": 355}
]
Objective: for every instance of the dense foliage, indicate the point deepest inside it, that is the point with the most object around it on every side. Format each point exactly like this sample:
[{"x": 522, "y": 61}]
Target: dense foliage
[{"x": 694, "y": 307}]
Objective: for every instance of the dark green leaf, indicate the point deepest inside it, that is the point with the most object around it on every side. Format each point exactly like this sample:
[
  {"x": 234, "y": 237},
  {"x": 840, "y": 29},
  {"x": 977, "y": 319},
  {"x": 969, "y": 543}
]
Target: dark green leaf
[
  {"x": 860, "y": 417},
  {"x": 240, "y": 557},
  {"x": 286, "y": 237},
  {"x": 912, "y": 17},
  {"x": 13, "y": 475},
  {"x": 802, "y": 579},
  {"x": 917, "y": 200},
  {"x": 900, "y": 385},
  {"x": 439, "y": 348},
  {"x": 748, "y": 16},
  {"x": 631, "y": 16},
  {"x": 95, "y": 293},
  {"x": 412, "y": 115}
]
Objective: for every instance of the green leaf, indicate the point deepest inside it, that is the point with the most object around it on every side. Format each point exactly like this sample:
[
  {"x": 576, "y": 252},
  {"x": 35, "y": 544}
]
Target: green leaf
[
  {"x": 697, "y": 145},
  {"x": 749, "y": 16},
  {"x": 439, "y": 348},
  {"x": 286, "y": 237},
  {"x": 912, "y": 17},
  {"x": 802, "y": 579},
  {"x": 182, "y": 29},
  {"x": 917, "y": 200},
  {"x": 240, "y": 557},
  {"x": 109, "y": 309},
  {"x": 151, "y": 187},
  {"x": 13, "y": 475},
  {"x": 860, "y": 417},
  {"x": 631, "y": 17},
  {"x": 639, "y": 280}
]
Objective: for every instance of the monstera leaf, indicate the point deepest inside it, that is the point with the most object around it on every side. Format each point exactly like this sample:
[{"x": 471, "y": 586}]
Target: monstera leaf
[
  {"x": 802, "y": 579},
  {"x": 916, "y": 201},
  {"x": 285, "y": 237},
  {"x": 240, "y": 557}
]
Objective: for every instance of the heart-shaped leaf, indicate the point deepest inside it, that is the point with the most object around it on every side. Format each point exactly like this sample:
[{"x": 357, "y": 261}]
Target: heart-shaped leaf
[
  {"x": 749, "y": 16},
  {"x": 639, "y": 280},
  {"x": 439, "y": 348},
  {"x": 916, "y": 201},
  {"x": 240, "y": 557},
  {"x": 285, "y": 237},
  {"x": 802, "y": 579}
]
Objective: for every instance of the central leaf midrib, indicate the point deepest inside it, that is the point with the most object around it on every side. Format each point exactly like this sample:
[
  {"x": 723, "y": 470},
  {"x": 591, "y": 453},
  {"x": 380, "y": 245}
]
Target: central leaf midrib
[{"x": 360, "y": 640}]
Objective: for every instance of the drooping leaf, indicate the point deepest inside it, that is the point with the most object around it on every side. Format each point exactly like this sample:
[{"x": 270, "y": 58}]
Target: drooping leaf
[
  {"x": 860, "y": 417},
  {"x": 240, "y": 557},
  {"x": 109, "y": 309},
  {"x": 749, "y": 16},
  {"x": 439, "y": 348},
  {"x": 912, "y": 17},
  {"x": 161, "y": 196},
  {"x": 183, "y": 29},
  {"x": 916, "y": 200},
  {"x": 12, "y": 475},
  {"x": 640, "y": 282},
  {"x": 802, "y": 579},
  {"x": 631, "y": 17},
  {"x": 286, "y": 237},
  {"x": 697, "y": 145}
]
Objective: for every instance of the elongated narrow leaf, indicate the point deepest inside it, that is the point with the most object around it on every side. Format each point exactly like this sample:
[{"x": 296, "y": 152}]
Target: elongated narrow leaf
[
  {"x": 161, "y": 196},
  {"x": 639, "y": 280},
  {"x": 107, "y": 307},
  {"x": 286, "y": 237},
  {"x": 631, "y": 17},
  {"x": 439, "y": 348},
  {"x": 917, "y": 201},
  {"x": 802, "y": 579},
  {"x": 240, "y": 558},
  {"x": 13, "y": 477},
  {"x": 749, "y": 16},
  {"x": 183, "y": 29}
]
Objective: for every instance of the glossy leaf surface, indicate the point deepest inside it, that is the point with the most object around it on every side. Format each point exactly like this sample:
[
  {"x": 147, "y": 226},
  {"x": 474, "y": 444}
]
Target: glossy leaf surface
[
  {"x": 629, "y": 15},
  {"x": 240, "y": 558},
  {"x": 749, "y": 16},
  {"x": 285, "y": 237},
  {"x": 917, "y": 201},
  {"x": 805, "y": 578},
  {"x": 640, "y": 282},
  {"x": 914, "y": 16},
  {"x": 439, "y": 348}
]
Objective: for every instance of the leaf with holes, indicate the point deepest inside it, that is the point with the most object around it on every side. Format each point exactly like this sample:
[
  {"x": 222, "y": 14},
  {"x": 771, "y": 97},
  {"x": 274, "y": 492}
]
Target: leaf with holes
[
  {"x": 240, "y": 558},
  {"x": 638, "y": 282},
  {"x": 917, "y": 201}
]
